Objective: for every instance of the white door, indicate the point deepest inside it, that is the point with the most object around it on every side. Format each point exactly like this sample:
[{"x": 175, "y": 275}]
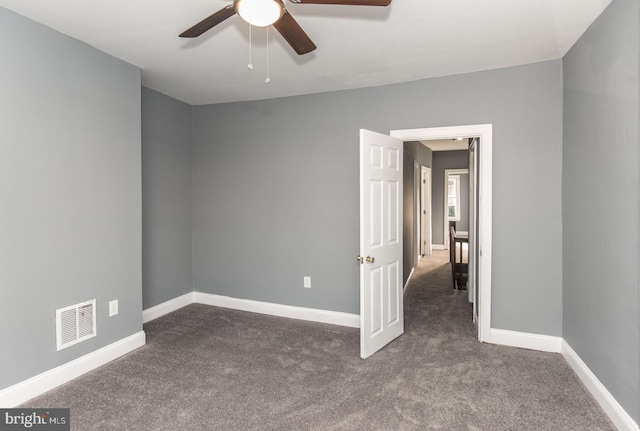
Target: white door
[
  {"x": 381, "y": 313},
  {"x": 426, "y": 211}
]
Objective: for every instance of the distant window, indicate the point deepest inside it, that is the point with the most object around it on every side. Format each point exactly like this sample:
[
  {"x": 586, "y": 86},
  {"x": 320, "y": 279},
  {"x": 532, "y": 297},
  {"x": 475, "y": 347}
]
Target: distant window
[{"x": 453, "y": 197}]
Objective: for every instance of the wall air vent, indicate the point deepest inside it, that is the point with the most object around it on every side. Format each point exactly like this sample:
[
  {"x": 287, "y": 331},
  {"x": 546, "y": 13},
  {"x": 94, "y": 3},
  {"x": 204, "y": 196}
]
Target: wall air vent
[{"x": 75, "y": 323}]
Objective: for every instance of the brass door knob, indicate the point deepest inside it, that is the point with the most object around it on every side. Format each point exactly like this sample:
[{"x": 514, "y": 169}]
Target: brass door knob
[
  {"x": 360, "y": 259},
  {"x": 370, "y": 259}
]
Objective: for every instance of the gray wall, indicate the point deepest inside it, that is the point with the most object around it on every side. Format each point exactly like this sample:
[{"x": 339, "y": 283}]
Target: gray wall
[
  {"x": 600, "y": 200},
  {"x": 166, "y": 198},
  {"x": 70, "y": 194},
  {"x": 276, "y": 189},
  {"x": 448, "y": 160},
  {"x": 413, "y": 151}
]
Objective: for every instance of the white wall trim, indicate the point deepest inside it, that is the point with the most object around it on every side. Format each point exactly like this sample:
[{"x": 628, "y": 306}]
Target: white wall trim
[
  {"x": 290, "y": 311},
  {"x": 38, "y": 385},
  {"x": 408, "y": 279},
  {"x": 167, "y": 307},
  {"x": 546, "y": 343},
  {"x": 438, "y": 247},
  {"x": 609, "y": 404},
  {"x": 280, "y": 310},
  {"x": 523, "y": 340}
]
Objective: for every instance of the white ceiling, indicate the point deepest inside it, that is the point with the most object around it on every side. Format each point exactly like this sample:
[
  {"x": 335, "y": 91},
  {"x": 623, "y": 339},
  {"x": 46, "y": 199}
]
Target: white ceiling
[
  {"x": 358, "y": 46},
  {"x": 446, "y": 144}
]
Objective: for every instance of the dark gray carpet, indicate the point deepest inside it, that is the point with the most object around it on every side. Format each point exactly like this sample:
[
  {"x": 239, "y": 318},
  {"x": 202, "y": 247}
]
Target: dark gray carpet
[{"x": 207, "y": 368}]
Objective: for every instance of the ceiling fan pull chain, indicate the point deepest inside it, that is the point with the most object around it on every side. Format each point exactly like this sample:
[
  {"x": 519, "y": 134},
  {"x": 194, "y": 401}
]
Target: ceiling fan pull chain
[
  {"x": 268, "y": 78},
  {"x": 250, "y": 65}
]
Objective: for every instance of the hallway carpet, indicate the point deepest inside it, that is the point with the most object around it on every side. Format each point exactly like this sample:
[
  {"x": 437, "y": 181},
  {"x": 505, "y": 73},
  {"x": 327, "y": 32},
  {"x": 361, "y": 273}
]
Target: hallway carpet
[{"x": 208, "y": 368}]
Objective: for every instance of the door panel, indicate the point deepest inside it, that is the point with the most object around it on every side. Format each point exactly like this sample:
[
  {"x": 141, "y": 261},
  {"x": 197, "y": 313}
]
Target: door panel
[
  {"x": 376, "y": 191},
  {"x": 393, "y": 195},
  {"x": 377, "y": 293},
  {"x": 394, "y": 303}
]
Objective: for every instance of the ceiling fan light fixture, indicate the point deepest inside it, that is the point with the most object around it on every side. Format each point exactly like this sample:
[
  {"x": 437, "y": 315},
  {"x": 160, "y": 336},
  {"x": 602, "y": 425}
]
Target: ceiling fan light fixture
[{"x": 259, "y": 13}]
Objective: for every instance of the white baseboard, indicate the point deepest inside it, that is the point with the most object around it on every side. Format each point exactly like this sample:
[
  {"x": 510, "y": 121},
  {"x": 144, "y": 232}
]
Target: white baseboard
[
  {"x": 543, "y": 343},
  {"x": 408, "y": 279},
  {"x": 546, "y": 343},
  {"x": 612, "y": 408},
  {"x": 167, "y": 307},
  {"x": 30, "y": 388},
  {"x": 293, "y": 312},
  {"x": 302, "y": 313},
  {"x": 437, "y": 247}
]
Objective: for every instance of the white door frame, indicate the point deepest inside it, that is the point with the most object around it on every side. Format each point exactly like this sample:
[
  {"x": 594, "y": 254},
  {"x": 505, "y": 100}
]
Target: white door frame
[
  {"x": 473, "y": 223},
  {"x": 417, "y": 234},
  {"x": 485, "y": 156},
  {"x": 425, "y": 210},
  {"x": 445, "y": 227}
]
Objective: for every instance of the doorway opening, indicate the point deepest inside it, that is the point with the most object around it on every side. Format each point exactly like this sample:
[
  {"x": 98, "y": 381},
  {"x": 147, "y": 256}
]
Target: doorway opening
[{"x": 482, "y": 137}]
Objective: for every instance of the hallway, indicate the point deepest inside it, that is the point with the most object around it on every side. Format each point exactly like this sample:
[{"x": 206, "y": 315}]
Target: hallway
[{"x": 431, "y": 305}]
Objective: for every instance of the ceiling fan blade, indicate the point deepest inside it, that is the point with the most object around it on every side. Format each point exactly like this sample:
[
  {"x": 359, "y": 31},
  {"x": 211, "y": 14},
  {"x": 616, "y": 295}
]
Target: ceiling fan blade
[
  {"x": 209, "y": 22},
  {"x": 346, "y": 2},
  {"x": 294, "y": 34}
]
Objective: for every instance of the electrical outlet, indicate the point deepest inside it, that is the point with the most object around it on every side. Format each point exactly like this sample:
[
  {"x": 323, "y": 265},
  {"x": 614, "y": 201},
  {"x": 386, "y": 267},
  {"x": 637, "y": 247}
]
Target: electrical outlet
[
  {"x": 113, "y": 308},
  {"x": 307, "y": 282}
]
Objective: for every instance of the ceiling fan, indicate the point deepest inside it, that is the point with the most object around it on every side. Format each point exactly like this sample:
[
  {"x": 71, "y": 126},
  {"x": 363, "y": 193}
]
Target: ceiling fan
[{"x": 262, "y": 13}]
